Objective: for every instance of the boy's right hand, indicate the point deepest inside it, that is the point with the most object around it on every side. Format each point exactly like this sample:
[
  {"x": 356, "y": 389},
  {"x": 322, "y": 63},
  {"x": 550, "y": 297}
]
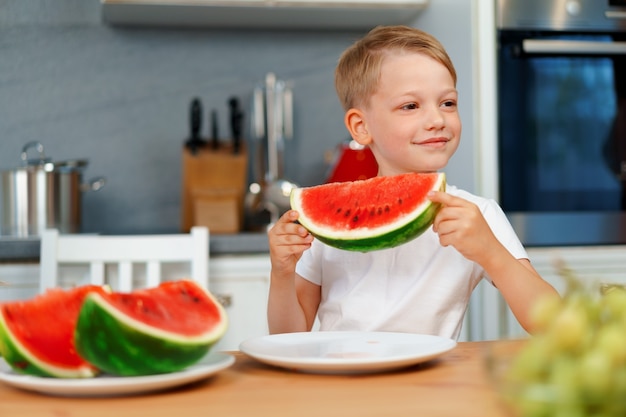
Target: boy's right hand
[{"x": 287, "y": 242}]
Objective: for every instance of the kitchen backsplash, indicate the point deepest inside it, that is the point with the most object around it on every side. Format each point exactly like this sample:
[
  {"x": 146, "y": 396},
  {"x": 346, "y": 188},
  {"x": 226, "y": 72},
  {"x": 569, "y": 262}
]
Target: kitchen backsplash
[{"x": 120, "y": 97}]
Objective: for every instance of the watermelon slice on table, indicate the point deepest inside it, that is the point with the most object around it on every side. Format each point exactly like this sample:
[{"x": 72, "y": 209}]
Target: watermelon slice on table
[
  {"x": 37, "y": 335},
  {"x": 377, "y": 213},
  {"x": 151, "y": 331}
]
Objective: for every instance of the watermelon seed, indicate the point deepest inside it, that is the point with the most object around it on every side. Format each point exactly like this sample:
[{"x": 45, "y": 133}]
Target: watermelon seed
[
  {"x": 355, "y": 219},
  {"x": 186, "y": 295},
  {"x": 380, "y": 211},
  {"x": 399, "y": 201},
  {"x": 372, "y": 212},
  {"x": 386, "y": 209},
  {"x": 338, "y": 210},
  {"x": 347, "y": 213}
]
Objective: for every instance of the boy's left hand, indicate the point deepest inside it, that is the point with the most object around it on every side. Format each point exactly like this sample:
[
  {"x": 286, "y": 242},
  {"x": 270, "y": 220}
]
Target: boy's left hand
[{"x": 460, "y": 224}]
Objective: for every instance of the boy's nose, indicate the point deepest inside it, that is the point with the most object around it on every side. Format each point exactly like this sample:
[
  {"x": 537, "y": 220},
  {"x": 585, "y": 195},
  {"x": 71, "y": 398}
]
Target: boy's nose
[{"x": 435, "y": 119}]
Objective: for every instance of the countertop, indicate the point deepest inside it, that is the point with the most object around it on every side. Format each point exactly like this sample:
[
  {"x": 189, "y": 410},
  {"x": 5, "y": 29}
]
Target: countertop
[
  {"x": 542, "y": 229},
  {"x": 455, "y": 384},
  {"x": 533, "y": 229},
  {"x": 13, "y": 249}
]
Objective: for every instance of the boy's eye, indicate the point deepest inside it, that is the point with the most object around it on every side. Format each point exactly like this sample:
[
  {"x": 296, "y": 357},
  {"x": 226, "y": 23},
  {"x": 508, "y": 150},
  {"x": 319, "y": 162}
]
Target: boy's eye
[
  {"x": 409, "y": 106},
  {"x": 449, "y": 103}
]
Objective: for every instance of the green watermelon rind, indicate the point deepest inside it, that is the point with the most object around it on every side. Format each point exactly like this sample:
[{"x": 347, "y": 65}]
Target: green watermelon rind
[
  {"x": 405, "y": 229},
  {"x": 23, "y": 362},
  {"x": 120, "y": 345}
]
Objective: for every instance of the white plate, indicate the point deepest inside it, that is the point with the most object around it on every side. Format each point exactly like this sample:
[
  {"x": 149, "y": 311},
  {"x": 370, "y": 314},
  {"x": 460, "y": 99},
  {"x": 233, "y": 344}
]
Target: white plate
[
  {"x": 105, "y": 385},
  {"x": 346, "y": 352}
]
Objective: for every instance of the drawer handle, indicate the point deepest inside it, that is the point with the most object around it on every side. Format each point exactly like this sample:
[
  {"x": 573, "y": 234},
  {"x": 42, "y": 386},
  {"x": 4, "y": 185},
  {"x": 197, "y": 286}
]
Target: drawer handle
[
  {"x": 606, "y": 288},
  {"x": 226, "y": 300}
]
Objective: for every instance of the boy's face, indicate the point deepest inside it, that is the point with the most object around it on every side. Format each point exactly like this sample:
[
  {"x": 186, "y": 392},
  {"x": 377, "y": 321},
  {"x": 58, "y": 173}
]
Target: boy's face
[{"x": 412, "y": 122}]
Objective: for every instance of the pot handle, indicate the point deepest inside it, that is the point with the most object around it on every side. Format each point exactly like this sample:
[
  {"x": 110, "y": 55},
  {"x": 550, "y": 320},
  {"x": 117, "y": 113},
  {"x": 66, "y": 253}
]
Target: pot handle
[
  {"x": 38, "y": 146},
  {"x": 94, "y": 184}
]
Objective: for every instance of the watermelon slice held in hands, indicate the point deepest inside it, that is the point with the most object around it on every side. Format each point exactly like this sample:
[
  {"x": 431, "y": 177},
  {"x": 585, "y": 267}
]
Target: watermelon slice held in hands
[
  {"x": 151, "y": 331},
  {"x": 372, "y": 214},
  {"x": 37, "y": 335}
]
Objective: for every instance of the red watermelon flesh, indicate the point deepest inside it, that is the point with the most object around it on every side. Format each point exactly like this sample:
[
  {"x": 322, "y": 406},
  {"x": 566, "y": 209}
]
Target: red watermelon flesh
[
  {"x": 37, "y": 335},
  {"x": 341, "y": 206},
  {"x": 377, "y": 213},
  {"x": 163, "y": 306}
]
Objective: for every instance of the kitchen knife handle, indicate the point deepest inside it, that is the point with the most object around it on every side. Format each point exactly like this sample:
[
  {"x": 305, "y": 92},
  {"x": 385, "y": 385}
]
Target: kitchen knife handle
[
  {"x": 195, "y": 115},
  {"x": 214, "y": 130},
  {"x": 236, "y": 117}
]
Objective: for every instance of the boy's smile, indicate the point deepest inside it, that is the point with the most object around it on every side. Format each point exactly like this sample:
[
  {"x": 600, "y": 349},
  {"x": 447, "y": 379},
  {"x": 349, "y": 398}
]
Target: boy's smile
[
  {"x": 411, "y": 122},
  {"x": 434, "y": 142}
]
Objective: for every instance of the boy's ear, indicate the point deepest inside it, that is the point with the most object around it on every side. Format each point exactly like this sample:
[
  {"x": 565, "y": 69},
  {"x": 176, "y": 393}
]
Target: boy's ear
[{"x": 355, "y": 122}]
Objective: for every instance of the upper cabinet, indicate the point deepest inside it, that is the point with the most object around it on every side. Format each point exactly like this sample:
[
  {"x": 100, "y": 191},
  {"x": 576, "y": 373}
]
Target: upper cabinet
[{"x": 255, "y": 14}]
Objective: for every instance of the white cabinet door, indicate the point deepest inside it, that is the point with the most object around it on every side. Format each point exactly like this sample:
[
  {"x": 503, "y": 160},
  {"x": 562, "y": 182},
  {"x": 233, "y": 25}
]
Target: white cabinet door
[
  {"x": 18, "y": 281},
  {"x": 600, "y": 264},
  {"x": 593, "y": 264},
  {"x": 242, "y": 284}
]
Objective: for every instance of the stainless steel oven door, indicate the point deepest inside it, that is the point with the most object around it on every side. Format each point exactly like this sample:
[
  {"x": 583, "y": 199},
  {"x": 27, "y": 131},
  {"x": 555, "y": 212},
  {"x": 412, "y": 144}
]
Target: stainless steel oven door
[
  {"x": 562, "y": 119},
  {"x": 562, "y": 122}
]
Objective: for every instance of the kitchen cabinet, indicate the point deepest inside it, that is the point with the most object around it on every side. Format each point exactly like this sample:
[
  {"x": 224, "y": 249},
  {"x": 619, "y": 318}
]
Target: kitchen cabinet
[
  {"x": 598, "y": 264},
  {"x": 241, "y": 283},
  {"x": 275, "y": 14},
  {"x": 18, "y": 281}
]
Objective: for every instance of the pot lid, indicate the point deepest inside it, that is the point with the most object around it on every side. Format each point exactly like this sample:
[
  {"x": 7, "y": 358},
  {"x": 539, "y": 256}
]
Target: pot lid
[
  {"x": 71, "y": 164},
  {"x": 40, "y": 159}
]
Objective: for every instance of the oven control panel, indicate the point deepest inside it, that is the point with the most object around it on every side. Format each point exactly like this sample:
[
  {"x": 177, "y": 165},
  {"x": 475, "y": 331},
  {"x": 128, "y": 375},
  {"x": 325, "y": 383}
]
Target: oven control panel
[{"x": 569, "y": 15}]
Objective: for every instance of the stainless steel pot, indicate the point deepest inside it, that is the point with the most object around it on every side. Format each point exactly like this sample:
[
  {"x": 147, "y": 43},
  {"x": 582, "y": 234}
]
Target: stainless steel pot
[{"x": 43, "y": 194}]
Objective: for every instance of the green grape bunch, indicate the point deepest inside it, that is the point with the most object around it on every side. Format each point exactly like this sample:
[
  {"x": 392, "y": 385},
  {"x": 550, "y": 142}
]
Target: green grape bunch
[{"x": 575, "y": 363}]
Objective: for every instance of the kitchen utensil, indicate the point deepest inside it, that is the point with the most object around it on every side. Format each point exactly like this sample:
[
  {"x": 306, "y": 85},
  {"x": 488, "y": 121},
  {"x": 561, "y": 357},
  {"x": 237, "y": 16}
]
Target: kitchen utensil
[
  {"x": 236, "y": 120},
  {"x": 195, "y": 120},
  {"x": 214, "y": 177},
  {"x": 214, "y": 186},
  {"x": 43, "y": 194},
  {"x": 272, "y": 108},
  {"x": 352, "y": 161},
  {"x": 215, "y": 140},
  {"x": 277, "y": 195},
  {"x": 254, "y": 197}
]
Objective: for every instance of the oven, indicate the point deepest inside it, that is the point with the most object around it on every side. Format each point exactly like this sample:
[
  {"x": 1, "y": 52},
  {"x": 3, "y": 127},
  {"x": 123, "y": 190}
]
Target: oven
[{"x": 562, "y": 119}]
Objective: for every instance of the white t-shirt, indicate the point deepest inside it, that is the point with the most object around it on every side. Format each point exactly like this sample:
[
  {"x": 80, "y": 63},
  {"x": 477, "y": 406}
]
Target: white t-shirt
[{"x": 419, "y": 287}]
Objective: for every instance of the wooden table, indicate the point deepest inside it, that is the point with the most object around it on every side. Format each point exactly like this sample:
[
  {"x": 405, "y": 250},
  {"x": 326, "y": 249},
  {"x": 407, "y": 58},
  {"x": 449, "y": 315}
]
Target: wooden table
[{"x": 454, "y": 385}]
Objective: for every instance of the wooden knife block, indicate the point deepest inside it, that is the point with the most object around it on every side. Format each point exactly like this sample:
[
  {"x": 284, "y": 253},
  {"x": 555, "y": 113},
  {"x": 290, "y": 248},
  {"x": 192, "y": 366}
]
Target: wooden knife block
[{"x": 214, "y": 187}]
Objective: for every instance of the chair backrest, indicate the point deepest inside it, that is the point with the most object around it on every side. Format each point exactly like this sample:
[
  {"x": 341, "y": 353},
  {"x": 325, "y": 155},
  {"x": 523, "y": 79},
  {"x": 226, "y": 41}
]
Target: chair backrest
[{"x": 124, "y": 251}]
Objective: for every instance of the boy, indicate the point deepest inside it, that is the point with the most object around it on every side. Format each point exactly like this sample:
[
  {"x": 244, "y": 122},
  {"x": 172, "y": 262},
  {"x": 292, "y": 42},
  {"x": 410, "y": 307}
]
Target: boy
[{"x": 398, "y": 88}]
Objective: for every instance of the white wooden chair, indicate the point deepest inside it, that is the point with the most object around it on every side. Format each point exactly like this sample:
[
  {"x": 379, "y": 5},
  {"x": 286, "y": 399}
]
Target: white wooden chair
[{"x": 124, "y": 252}]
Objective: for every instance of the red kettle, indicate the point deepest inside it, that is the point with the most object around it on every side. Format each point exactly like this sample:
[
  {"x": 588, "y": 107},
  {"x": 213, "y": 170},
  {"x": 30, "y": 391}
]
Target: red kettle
[{"x": 351, "y": 162}]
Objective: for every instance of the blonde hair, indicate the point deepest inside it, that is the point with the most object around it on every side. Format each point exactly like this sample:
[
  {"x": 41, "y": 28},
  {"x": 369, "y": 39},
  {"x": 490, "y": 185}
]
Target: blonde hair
[{"x": 358, "y": 69}]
